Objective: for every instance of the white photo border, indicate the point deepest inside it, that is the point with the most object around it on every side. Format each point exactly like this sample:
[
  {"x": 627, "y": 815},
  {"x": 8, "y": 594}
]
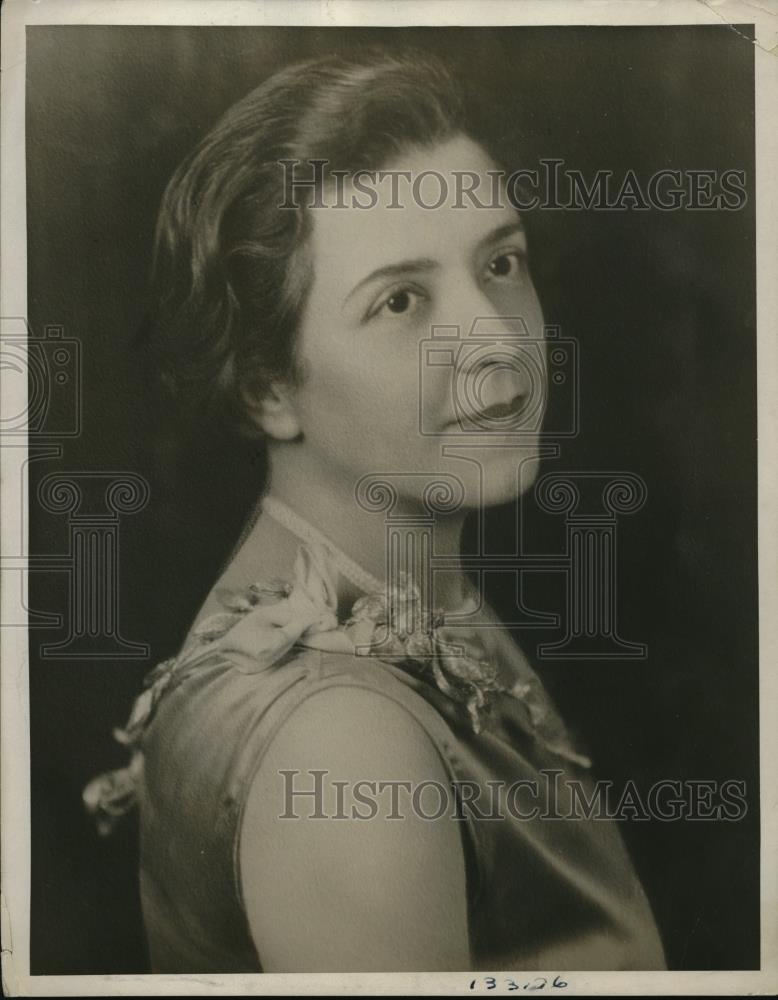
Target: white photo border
[{"x": 16, "y": 16}]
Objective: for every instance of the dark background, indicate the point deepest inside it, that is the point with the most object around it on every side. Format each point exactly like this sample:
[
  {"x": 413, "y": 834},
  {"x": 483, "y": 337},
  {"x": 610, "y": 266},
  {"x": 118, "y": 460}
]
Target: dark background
[{"x": 663, "y": 305}]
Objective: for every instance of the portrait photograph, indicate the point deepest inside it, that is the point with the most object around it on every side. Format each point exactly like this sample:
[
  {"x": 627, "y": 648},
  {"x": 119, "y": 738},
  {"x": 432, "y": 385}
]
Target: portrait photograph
[{"x": 388, "y": 522}]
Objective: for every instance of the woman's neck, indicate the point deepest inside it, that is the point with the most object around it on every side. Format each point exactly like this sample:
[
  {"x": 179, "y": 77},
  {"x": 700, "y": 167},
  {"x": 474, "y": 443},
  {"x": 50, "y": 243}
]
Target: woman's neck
[{"x": 331, "y": 507}]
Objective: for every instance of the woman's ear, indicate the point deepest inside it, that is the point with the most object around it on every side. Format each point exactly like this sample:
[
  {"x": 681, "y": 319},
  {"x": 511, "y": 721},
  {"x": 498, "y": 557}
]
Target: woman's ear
[{"x": 274, "y": 412}]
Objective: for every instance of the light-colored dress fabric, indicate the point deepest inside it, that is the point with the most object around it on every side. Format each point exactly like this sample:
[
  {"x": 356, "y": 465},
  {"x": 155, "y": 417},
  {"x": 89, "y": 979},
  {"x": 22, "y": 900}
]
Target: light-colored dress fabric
[{"x": 550, "y": 894}]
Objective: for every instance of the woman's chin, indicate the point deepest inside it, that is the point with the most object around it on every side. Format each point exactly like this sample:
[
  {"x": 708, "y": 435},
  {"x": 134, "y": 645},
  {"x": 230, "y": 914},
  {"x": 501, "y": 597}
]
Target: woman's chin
[{"x": 493, "y": 483}]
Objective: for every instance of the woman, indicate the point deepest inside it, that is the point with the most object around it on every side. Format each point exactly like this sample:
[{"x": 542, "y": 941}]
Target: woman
[{"x": 305, "y": 316}]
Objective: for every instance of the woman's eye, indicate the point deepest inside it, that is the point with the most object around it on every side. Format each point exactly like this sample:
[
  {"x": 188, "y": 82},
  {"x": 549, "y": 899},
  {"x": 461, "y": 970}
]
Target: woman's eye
[
  {"x": 508, "y": 264},
  {"x": 400, "y": 302}
]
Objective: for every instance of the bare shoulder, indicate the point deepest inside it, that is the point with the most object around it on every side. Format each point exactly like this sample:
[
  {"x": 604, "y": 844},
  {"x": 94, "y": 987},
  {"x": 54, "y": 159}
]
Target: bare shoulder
[
  {"x": 349, "y": 734},
  {"x": 350, "y": 855},
  {"x": 343, "y": 718}
]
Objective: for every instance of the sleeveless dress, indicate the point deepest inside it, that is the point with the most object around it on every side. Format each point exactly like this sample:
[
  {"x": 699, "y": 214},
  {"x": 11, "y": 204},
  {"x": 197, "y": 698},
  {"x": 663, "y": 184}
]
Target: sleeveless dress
[{"x": 547, "y": 888}]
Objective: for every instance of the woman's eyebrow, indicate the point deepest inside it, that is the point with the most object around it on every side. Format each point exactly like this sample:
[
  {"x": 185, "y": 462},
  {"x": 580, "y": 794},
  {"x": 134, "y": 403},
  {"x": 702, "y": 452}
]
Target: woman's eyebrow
[
  {"x": 509, "y": 229},
  {"x": 395, "y": 270},
  {"x": 427, "y": 263}
]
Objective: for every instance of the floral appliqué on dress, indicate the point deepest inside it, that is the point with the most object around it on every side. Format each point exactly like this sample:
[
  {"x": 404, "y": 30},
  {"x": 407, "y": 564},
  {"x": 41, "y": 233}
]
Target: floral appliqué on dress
[{"x": 265, "y": 621}]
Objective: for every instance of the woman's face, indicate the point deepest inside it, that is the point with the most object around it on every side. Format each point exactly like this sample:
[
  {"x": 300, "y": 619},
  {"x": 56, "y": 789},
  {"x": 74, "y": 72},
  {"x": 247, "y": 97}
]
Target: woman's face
[{"x": 380, "y": 393}]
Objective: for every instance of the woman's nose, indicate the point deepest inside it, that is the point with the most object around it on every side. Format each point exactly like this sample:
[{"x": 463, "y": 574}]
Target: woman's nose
[
  {"x": 499, "y": 365},
  {"x": 476, "y": 316}
]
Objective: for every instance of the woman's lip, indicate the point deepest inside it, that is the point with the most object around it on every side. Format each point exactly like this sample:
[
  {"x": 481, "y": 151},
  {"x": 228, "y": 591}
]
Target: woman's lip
[{"x": 498, "y": 411}]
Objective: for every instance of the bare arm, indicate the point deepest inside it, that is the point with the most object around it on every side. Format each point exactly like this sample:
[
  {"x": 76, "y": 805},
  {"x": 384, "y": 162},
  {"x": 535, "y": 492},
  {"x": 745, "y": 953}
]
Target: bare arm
[{"x": 352, "y": 894}]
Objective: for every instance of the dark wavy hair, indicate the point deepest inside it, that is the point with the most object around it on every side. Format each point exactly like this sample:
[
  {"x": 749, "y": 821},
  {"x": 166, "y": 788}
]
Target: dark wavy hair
[{"x": 231, "y": 269}]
